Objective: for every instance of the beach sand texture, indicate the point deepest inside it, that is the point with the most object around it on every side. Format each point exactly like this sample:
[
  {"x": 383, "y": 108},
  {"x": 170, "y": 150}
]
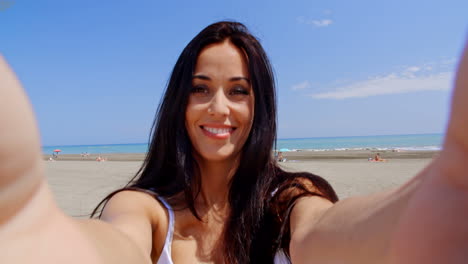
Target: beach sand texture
[{"x": 79, "y": 186}]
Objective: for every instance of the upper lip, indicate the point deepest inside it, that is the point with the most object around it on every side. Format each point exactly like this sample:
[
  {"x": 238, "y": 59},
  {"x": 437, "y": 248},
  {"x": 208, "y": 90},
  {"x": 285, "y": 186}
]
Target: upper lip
[{"x": 218, "y": 126}]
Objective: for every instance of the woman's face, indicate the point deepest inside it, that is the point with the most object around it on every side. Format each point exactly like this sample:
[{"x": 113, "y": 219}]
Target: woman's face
[{"x": 221, "y": 105}]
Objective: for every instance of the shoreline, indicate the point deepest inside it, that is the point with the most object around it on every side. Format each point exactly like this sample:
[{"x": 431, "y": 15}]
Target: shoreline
[{"x": 305, "y": 155}]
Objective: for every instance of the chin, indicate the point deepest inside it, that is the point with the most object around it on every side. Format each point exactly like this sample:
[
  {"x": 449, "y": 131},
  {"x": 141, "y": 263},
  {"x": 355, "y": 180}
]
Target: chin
[{"x": 219, "y": 155}]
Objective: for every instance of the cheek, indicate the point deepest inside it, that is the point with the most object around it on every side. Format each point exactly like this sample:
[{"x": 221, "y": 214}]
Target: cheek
[
  {"x": 251, "y": 110},
  {"x": 247, "y": 115},
  {"x": 190, "y": 116},
  {"x": 191, "y": 112}
]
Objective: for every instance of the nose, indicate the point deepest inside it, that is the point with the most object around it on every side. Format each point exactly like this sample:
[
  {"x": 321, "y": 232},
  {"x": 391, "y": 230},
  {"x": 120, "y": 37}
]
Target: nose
[{"x": 219, "y": 105}]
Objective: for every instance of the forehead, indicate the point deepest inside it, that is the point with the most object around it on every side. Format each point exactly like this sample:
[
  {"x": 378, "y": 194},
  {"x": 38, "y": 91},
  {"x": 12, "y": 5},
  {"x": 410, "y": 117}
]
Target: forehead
[{"x": 223, "y": 60}]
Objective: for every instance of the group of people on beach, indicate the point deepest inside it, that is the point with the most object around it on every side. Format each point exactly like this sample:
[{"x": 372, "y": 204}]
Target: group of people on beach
[
  {"x": 99, "y": 158},
  {"x": 209, "y": 190}
]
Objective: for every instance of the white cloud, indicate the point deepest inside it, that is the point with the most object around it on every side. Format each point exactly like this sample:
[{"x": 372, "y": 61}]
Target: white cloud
[
  {"x": 322, "y": 23},
  {"x": 413, "y": 69},
  {"x": 393, "y": 83},
  {"x": 315, "y": 22},
  {"x": 301, "y": 86}
]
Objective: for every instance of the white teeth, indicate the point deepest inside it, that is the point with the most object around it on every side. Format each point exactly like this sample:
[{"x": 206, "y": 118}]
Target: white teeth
[{"x": 218, "y": 130}]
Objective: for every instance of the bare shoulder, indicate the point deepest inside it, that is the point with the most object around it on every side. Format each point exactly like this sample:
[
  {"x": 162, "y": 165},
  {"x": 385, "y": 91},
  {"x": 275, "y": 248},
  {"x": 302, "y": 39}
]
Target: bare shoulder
[
  {"x": 296, "y": 184},
  {"x": 132, "y": 202},
  {"x": 307, "y": 211},
  {"x": 305, "y": 197},
  {"x": 139, "y": 216}
]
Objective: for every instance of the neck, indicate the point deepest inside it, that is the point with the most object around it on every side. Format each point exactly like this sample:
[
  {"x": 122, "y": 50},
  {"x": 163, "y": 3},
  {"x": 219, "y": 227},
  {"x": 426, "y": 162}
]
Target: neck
[{"x": 215, "y": 178}]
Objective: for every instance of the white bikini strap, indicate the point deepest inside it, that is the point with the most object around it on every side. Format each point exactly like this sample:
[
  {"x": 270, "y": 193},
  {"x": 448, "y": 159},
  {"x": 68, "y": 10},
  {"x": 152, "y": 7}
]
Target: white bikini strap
[{"x": 170, "y": 230}]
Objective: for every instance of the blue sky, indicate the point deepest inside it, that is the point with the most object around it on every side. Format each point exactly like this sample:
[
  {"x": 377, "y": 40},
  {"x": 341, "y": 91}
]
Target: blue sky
[{"x": 95, "y": 70}]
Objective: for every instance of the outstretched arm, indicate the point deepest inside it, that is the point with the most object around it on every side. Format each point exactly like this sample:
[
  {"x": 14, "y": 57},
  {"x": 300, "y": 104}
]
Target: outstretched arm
[
  {"x": 434, "y": 227},
  {"x": 424, "y": 221},
  {"x": 32, "y": 228},
  {"x": 20, "y": 174}
]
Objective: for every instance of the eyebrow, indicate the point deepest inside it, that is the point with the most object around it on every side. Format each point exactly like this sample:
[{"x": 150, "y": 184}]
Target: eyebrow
[{"x": 232, "y": 79}]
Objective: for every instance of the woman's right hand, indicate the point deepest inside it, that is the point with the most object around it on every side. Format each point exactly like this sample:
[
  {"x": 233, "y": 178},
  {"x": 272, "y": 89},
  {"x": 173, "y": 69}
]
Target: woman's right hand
[
  {"x": 32, "y": 228},
  {"x": 21, "y": 169}
]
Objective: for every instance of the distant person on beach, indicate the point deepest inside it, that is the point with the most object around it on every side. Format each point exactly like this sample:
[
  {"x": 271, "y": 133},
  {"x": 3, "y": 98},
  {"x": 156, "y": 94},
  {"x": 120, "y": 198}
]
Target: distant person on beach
[
  {"x": 280, "y": 157},
  {"x": 209, "y": 190},
  {"x": 378, "y": 158},
  {"x": 100, "y": 159}
]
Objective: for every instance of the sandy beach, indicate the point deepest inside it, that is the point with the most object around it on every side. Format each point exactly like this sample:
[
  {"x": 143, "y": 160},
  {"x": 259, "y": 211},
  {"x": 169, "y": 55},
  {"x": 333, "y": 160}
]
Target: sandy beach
[{"x": 79, "y": 183}]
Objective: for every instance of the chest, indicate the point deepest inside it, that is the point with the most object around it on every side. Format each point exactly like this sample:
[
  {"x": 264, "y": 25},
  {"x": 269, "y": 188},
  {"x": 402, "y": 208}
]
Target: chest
[{"x": 195, "y": 241}]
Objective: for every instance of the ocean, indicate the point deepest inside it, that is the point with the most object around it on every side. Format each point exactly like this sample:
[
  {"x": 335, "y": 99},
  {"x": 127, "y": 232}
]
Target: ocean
[{"x": 414, "y": 142}]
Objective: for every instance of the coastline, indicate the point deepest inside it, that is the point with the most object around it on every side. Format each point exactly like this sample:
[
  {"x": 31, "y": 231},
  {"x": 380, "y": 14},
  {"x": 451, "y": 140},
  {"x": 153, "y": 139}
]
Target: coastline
[{"x": 301, "y": 155}]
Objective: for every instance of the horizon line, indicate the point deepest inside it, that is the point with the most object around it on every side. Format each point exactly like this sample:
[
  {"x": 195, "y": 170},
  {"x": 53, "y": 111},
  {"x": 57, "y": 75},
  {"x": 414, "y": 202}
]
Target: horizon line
[{"x": 413, "y": 134}]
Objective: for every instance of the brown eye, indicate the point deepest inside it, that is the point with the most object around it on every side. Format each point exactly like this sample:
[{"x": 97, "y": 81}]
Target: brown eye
[
  {"x": 239, "y": 90},
  {"x": 199, "y": 89}
]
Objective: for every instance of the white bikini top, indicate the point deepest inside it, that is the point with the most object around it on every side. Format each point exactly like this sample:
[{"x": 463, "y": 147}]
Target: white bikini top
[{"x": 165, "y": 257}]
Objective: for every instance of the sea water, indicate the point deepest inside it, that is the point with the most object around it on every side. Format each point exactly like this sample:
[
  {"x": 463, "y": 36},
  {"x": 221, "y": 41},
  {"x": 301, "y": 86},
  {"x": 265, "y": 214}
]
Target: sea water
[{"x": 389, "y": 142}]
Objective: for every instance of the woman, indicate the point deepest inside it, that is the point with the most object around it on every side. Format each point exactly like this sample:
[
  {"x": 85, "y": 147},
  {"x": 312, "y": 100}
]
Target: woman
[
  {"x": 219, "y": 192},
  {"x": 217, "y": 171}
]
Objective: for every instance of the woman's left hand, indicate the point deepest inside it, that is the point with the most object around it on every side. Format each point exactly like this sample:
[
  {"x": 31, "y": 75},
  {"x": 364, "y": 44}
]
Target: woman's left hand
[
  {"x": 434, "y": 226},
  {"x": 423, "y": 221}
]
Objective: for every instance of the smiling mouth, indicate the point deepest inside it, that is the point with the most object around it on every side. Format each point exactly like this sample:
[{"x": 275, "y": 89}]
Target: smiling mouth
[{"x": 218, "y": 131}]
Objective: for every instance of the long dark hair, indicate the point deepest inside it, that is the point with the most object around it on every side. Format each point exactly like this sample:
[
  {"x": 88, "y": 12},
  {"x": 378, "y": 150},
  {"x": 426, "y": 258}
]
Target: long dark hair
[{"x": 258, "y": 222}]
